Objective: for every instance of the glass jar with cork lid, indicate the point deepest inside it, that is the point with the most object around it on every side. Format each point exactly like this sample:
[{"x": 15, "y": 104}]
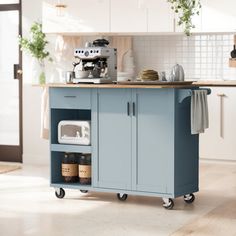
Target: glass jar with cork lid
[
  {"x": 69, "y": 169},
  {"x": 84, "y": 169}
]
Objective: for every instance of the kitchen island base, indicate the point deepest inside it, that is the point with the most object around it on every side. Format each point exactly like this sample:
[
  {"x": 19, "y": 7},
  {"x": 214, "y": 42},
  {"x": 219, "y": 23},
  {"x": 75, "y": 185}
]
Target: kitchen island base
[
  {"x": 141, "y": 142},
  {"x": 168, "y": 203}
]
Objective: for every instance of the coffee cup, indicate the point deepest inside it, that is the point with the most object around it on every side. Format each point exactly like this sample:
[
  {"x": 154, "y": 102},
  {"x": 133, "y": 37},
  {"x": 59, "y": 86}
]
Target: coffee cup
[{"x": 69, "y": 76}]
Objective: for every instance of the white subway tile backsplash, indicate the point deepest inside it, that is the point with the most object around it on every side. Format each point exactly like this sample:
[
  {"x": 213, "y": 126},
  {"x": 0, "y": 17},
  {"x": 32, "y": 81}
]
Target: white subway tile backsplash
[{"x": 202, "y": 56}]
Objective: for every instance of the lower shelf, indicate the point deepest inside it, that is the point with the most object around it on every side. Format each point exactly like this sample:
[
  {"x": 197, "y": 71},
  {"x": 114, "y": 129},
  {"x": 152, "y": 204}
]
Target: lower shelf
[
  {"x": 71, "y": 186},
  {"x": 90, "y": 188},
  {"x": 95, "y": 189},
  {"x": 70, "y": 148}
]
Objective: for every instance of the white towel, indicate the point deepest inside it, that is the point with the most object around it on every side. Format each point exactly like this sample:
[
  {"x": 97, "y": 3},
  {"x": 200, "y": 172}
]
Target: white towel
[
  {"x": 45, "y": 114},
  {"x": 199, "y": 111}
]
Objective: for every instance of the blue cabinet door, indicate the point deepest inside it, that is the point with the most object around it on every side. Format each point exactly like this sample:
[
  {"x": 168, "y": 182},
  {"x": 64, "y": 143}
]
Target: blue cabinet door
[
  {"x": 153, "y": 147},
  {"x": 114, "y": 139}
]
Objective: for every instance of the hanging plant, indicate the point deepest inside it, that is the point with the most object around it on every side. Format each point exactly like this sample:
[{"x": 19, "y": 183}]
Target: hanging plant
[{"x": 186, "y": 9}]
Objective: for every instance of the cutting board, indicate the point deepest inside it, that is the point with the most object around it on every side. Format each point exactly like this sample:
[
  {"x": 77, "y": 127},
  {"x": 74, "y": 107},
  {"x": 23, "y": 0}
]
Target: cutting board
[{"x": 123, "y": 45}]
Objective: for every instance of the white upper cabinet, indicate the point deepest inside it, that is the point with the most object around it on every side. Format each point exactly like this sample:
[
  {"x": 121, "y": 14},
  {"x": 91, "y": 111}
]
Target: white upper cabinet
[
  {"x": 77, "y": 16},
  {"x": 218, "y": 15},
  {"x": 160, "y": 16},
  {"x": 128, "y": 16},
  {"x": 141, "y": 16},
  {"x": 133, "y": 16}
]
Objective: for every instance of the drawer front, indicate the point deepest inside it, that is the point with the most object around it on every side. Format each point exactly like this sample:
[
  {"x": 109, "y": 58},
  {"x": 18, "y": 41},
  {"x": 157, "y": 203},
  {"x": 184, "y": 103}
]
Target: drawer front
[{"x": 70, "y": 98}]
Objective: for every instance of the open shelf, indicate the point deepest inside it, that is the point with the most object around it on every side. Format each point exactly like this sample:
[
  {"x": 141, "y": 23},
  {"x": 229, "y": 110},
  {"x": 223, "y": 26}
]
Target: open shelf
[
  {"x": 70, "y": 148},
  {"x": 58, "y": 115},
  {"x": 57, "y": 180},
  {"x": 71, "y": 185}
]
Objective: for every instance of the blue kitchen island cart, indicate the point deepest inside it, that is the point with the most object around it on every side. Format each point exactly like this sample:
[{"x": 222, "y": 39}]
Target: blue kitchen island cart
[{"x": 141, "y": 141}]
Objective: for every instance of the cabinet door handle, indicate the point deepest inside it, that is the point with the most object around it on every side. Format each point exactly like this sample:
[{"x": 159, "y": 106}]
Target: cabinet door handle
[
  {"x": 133, "y": 109},
  {"x": 128, "y": 109},
  {"x": 221, "y": 95},
  {"x": 174, "y": 24},
  {"x": 69, "y": 96}
]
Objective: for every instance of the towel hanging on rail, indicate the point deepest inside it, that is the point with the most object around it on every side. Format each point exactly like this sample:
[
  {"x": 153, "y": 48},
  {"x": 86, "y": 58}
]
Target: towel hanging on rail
[
  {"x": 44, "y": 131},
  {"x": 199, "y": 111}
]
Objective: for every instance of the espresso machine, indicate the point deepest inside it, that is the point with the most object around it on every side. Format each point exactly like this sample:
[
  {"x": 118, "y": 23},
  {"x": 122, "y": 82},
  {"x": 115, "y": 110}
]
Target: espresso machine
[{"x": 97, "y": 63}]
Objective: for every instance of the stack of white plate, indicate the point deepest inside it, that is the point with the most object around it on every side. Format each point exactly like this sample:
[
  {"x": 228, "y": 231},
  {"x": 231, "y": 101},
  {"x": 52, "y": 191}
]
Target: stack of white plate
[
  {"x": 128, "y": 67},
  {"x": 124, "y": 76},
  {"x": 128, "y": 62}
]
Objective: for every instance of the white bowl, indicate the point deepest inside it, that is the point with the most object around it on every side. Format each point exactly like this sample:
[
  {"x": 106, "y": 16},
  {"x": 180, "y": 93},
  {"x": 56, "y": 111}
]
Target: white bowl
[
  {"x": 123, "y": 78},
  {"x": 82, "y": 74},
  {"x": 123, "y": 73}
]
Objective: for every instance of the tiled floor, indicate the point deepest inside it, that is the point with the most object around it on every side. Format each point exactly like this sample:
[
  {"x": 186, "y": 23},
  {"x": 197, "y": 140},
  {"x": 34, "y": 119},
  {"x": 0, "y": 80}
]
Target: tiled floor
[{"x": 28, "y": 206}]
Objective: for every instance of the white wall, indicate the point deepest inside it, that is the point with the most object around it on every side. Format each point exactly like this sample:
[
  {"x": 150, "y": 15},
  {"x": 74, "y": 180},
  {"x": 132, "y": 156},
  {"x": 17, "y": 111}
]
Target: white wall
[
  {"x": 203, "y": 56},
  {"x": 35, "y": 149}
]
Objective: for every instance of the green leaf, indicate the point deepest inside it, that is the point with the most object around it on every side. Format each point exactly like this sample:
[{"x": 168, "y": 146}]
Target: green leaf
[
  {"x": 186, "y": 9},
  {"x": 36, "y": 43}
]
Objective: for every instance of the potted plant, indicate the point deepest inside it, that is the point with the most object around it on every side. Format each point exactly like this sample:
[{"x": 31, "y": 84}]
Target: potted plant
[
  {"x": 36, "y": 45},
  {"x": 186, "y": 9}
]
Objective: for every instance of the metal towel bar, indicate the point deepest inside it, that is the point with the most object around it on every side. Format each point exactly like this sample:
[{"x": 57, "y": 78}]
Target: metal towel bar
[
  {"x": 184, "y": 93},
  {"x": 207, "y": 89}
]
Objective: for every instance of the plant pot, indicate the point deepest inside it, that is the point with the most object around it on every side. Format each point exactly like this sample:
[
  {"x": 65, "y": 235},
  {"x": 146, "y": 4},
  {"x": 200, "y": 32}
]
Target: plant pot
[
  {"x": 42, "y": 76},
  {"x": 38, "y": 72}
]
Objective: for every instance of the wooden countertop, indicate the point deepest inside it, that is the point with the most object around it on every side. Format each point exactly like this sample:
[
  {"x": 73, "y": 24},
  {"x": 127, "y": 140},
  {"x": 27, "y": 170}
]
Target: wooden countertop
[
  {"x": 118, "y": 86},
  {"x": 201, "y": 83},
  {"x": 216, "y": 83}
]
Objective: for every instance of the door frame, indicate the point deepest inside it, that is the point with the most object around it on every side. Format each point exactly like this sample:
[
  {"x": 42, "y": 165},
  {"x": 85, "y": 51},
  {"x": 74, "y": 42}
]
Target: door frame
[{"x": 13, "y": 153}]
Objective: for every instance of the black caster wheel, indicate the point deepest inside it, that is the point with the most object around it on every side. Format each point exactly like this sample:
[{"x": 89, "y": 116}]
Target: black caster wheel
[
  {"x": 122, "y": 197},
  {"x": 83, "y": 191},
  {"x": 60, "y": 193},
  {"x": 189, "y": 198},
  {"x": 168, "y": 203}
]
